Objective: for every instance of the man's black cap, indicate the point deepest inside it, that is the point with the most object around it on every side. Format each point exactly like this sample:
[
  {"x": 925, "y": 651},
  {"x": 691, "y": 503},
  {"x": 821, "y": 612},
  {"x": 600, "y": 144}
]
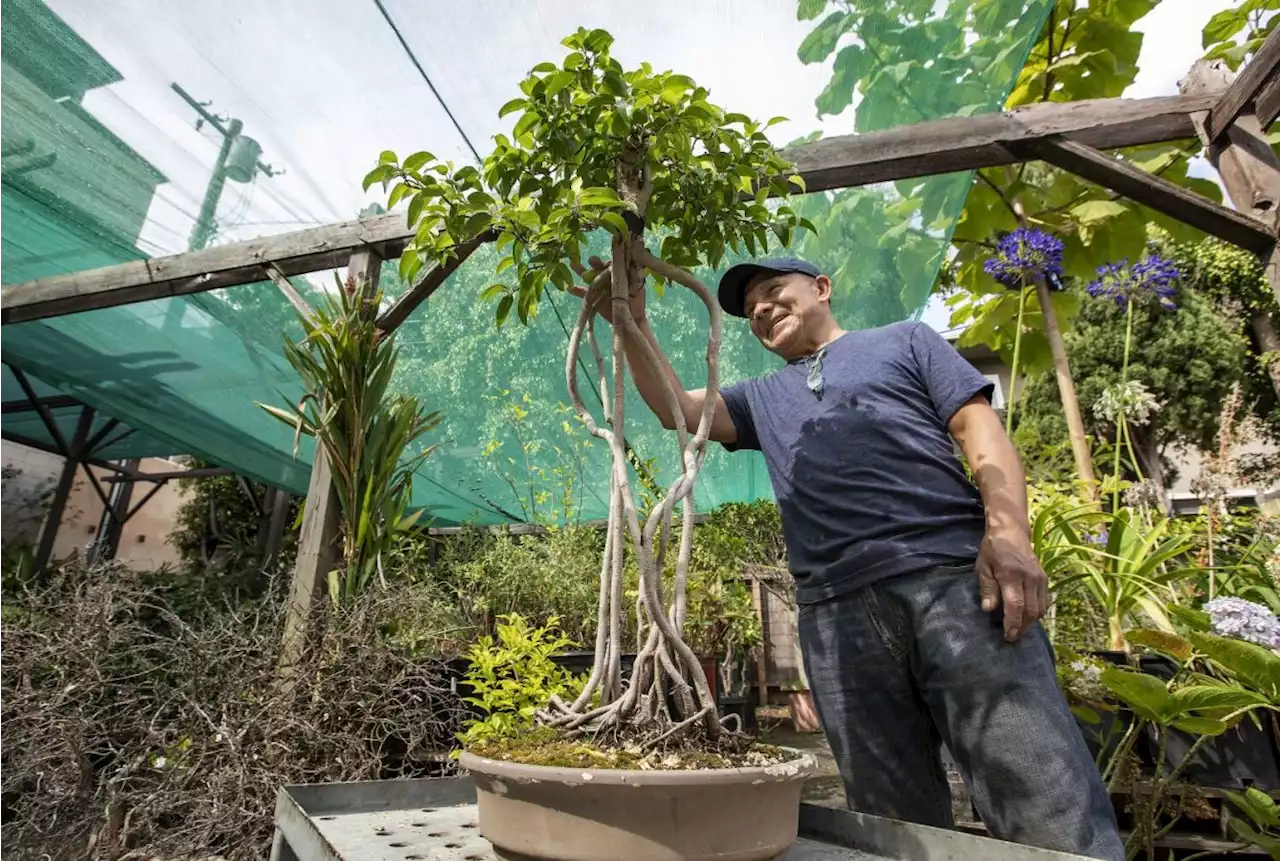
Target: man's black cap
[{"x": 733, "y": 286}]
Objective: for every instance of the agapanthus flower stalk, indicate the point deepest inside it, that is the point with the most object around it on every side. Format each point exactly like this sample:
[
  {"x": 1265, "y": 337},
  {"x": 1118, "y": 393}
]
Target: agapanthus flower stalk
[
  {"x": 1150, "y": 279},
  {"x": 1025, "y": 255}
]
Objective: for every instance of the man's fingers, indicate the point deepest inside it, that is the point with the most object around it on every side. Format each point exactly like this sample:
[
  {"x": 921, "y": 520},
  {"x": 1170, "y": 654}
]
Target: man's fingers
[
  {"x": 988, "y": 589},
  {"x": 1014, "y": 598}
]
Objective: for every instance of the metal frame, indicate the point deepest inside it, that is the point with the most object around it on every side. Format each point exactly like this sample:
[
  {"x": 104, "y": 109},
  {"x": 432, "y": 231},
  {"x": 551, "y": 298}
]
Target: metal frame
[
  {"x": 1068, "y": 135},
  {"x": 435, "y": 818},
  {"x": 78, "y": 452}
]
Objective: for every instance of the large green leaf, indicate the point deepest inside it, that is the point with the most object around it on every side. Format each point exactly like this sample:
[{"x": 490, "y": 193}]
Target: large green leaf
[
  {"x": 1203, "y": 697},
  {"x": 1250, "y": 663},
  {"x": 1145, "y": 694}
]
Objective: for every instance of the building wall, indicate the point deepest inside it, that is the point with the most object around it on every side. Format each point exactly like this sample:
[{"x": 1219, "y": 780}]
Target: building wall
[
  {"x": 29, "y": 475},
  {"x": 144, "y": 540}
]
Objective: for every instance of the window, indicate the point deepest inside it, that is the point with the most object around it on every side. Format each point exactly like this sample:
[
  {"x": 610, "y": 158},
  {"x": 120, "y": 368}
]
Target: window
[{"x": 997, "y": 395}]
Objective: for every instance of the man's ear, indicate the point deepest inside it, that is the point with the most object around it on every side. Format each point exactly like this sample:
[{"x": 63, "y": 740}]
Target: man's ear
[{"x": 823, "y": 283}]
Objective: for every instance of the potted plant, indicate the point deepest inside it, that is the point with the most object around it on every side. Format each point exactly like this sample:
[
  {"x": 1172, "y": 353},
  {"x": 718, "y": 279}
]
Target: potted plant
[{"x": 624, "y": 764}]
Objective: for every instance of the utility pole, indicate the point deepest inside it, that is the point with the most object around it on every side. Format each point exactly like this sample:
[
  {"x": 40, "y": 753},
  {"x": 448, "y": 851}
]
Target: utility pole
[{"x": 239, "y": 160}]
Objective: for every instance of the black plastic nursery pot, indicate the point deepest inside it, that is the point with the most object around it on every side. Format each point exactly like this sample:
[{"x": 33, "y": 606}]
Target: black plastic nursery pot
[{"x": 1243, "y": 756}]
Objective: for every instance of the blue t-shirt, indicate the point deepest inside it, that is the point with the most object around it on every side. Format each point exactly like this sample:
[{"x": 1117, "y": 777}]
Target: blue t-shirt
[{"x": 864, "y": 470}]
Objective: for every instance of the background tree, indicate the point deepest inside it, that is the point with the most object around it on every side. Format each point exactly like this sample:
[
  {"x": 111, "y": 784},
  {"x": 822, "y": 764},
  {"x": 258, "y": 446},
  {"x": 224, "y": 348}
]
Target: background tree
[
  {"x": 1187, "y": 358},
  {"x": 903, "y": 60}
]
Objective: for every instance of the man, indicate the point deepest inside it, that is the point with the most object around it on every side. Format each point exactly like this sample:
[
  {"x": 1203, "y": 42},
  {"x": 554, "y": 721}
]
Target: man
[{"x": 918, "y": 592}]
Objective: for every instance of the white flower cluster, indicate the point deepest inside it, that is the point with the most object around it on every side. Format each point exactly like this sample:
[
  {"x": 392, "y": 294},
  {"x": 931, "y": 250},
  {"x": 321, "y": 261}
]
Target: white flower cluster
[{"x": 1133, "y": 400}]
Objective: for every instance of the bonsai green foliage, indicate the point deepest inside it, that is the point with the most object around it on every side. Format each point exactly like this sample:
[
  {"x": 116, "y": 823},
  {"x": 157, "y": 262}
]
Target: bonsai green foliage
[
  {"x": 514, "y": 676},
  {"x": 346, "y": 364},
  {"x": 556, "y": 178},
  {"x": 1187, "y": 358},
  {"x": 595, "y": 147}
]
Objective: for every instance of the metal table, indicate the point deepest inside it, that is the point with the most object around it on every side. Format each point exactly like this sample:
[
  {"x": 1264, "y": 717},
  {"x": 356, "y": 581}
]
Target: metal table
[{"x": 435, "y": 820}]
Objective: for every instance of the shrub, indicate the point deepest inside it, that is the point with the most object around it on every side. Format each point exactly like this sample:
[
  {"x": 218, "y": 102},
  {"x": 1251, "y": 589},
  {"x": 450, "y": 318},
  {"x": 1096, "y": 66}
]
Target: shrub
[{"x": 129, "y": 728}]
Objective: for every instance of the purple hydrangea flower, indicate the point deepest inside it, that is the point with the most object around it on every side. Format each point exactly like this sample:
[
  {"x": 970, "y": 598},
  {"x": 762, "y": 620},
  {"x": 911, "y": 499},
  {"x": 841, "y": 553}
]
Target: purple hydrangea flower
[
  {"x": 1151, "y": 277},
  {"x": 1024, "y": 255},
  {"x": 1244, "y": 620}
]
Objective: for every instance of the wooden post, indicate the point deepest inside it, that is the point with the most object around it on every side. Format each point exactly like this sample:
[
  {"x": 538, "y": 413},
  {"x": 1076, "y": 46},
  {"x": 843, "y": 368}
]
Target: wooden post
[
  {"x": 318, "y": 551},
  {"x": 1250, "y": 171},
  {"x": 1066, "y": 388},
  {"x": 274, "y": 538},
  {"x": 762, "y": 660},
  {"x": 58, "y": 504}
]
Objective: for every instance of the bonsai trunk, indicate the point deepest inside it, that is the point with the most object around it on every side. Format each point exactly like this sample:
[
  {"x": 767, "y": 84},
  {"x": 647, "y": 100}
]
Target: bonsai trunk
[{"x": 665, "y": 662}]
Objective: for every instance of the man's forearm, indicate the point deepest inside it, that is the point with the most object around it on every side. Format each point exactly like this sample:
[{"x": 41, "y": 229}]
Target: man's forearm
[
  {"x": 997, "y": 469},
  {"x": 645, "y": 376}
]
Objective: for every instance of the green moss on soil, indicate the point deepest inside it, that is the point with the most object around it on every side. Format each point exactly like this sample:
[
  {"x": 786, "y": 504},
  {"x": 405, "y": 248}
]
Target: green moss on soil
[{"x": 549, "y": 747}]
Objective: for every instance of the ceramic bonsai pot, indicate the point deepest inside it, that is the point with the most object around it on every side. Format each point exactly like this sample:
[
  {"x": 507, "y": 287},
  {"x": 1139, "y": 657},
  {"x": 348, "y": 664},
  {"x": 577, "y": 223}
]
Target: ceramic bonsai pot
[{"x": 569, "y": 814}]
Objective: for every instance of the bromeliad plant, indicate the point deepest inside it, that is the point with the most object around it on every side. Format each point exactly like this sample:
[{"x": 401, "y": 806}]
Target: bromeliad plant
[
  {"x": 346, "y": 363},
  {"x": 596, "y": 146}
]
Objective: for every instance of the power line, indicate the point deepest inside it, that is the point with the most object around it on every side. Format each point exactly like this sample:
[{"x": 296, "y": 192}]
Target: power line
[{"x": 427, "y": 78}]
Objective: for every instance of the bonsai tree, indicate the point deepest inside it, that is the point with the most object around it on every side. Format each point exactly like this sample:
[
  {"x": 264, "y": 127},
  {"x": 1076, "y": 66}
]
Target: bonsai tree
[{"x": 630, "y": 152}]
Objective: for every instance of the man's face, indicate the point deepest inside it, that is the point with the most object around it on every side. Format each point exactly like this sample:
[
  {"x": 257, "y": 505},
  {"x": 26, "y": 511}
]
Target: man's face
[{"x": 785, "y": 309}]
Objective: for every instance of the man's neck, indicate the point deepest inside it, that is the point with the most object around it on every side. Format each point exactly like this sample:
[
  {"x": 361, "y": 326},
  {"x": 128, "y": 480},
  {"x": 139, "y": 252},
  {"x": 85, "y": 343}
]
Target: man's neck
[{"x": 829, "y": 332}]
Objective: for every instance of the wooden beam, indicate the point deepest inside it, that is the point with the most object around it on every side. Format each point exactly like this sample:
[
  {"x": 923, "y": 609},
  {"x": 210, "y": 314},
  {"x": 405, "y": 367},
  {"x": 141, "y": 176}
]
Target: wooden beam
[
  {"x": 1153, "y": 191},
  {"x": 203, "y": 472},
  {"x": 1250, "y": 171},
  {"x": 317, "y": 555},
  {"x": 1266, "y": 107},
  {"x": 923, "y": 149},
  {"x": 61, "y": 493},
  {"x": 1243, "y": 157},
  {"x": 207, "y": 269},
  {"x": 418, "y": 293},
  {"x": 1262, "y": 69},
  {"x": 968, "y": 143},
  {"x": 290, "y": 292}
]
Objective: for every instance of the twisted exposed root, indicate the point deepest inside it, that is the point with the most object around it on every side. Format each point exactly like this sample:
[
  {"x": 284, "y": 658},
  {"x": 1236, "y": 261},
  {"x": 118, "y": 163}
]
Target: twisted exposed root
[{"x": 666, "y": 671}]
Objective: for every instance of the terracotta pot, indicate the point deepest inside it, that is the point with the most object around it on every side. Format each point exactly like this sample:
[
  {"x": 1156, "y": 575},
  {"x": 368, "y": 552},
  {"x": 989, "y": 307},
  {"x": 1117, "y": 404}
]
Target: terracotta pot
[{"x": 567, "y": 814}]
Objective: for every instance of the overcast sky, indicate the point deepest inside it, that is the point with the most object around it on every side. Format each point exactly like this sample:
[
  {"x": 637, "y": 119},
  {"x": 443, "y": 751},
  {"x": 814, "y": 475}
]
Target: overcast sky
[{"x": 325, "y": 85}]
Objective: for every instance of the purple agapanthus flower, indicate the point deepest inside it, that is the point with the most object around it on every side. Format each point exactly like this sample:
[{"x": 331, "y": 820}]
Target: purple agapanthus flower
[
  {"x": 1100, "y": 539},
  {"x": 1152, "y": 277},
  {"x": 1244, "y": 620},
  {"x": 1024, "y": 255}
]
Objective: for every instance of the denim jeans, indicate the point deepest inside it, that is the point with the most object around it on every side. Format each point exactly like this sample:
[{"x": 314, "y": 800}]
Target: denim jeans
[{"x": 902, "y": 666}]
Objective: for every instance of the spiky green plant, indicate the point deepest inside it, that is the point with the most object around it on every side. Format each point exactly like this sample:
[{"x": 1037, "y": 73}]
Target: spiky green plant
[{"x": 346, "y": 364}]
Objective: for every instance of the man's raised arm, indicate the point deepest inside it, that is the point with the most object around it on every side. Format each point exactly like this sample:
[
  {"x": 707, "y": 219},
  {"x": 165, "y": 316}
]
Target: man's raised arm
[{"x": 650, "y": 385}]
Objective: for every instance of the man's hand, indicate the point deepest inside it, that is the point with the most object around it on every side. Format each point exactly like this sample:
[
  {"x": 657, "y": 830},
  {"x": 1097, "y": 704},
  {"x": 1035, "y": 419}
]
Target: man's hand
[
  {"x": 604, "y": 307},
  {"x": 1009, "y": 575}
]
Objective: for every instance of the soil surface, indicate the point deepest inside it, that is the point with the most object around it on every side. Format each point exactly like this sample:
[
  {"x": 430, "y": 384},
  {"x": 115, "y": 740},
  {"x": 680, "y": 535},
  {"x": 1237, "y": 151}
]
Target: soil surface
[{"x": 545, "y": 746}]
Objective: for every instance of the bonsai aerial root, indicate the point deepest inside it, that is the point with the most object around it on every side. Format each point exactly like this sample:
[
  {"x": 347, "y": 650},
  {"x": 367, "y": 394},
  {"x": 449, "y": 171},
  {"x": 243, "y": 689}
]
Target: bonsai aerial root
[{"x": 667, "y": 697}]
